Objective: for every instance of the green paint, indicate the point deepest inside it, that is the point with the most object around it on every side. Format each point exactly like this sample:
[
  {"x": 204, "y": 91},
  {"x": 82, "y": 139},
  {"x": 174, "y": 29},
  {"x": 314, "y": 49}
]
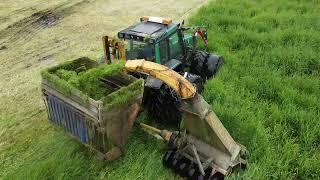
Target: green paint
[
  {"x": 190, "y": 40},
  {"x": 157, "y": 48},
  {"x": 170, "y": 31}
]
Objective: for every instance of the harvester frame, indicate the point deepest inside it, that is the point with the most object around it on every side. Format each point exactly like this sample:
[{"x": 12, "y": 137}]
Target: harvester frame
[{"x": 201, "y": 149}]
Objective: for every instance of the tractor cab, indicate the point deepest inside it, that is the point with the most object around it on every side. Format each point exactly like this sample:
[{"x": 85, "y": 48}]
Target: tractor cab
[
  {"x": 164, "y": 42},
  {"x": 154, "y": 39}
]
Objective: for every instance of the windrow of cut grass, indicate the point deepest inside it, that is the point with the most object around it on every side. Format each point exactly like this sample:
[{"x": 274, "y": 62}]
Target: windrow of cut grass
[{"x": 268, "y": 91}]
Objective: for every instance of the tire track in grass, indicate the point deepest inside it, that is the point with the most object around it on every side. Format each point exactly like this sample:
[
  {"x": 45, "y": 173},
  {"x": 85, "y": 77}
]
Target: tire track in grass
[{"x": 28, "y": 27}]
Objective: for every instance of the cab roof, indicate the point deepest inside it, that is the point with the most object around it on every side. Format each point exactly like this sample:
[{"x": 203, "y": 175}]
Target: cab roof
[{"x": 146, "y": 31}]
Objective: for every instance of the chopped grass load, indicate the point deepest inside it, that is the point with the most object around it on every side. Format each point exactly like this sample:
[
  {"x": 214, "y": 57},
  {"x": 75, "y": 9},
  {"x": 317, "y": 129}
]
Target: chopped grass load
[
  {"x": 81, "y": 75},
  {"x": 124, "y": 96}
]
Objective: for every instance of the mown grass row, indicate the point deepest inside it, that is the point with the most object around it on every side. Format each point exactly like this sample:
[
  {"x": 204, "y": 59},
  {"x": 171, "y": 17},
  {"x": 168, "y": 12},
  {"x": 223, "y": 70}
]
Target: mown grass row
[{"x": 267, "y": 94}]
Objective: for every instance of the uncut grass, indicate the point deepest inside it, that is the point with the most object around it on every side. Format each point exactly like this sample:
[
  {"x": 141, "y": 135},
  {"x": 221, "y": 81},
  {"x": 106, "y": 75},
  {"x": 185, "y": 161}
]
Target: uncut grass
[{"x": 267, "y": 94}]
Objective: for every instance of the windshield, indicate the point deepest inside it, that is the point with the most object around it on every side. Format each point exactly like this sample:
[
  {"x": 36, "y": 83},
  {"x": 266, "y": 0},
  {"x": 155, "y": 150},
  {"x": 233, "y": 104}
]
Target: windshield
[
  {"x": 170, "y": 48},
  {"x": 139, "y": 50}
]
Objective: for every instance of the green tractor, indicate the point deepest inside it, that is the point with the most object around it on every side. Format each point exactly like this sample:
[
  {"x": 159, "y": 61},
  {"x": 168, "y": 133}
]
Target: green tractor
[{"x": 173, "y": 45}]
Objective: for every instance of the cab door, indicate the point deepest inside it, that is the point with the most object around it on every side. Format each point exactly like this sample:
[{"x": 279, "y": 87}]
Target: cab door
[
  {"x": 168, "y": 48},
  {"x": 162, "y": 51}
]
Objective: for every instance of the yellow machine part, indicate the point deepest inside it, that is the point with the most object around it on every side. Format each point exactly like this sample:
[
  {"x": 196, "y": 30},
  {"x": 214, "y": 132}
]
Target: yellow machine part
[
  {"x": 113, "y": 49},
  {"x": 182, "y": 86}
]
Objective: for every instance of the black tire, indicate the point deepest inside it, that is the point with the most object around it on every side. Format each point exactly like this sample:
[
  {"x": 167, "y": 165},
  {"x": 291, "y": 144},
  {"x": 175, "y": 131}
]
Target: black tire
[
  {"x": 175, "y": 163},
  {"x": 205, "y": 65},
  {"x": 201, "y": 177},
  {"x": 163, "y": 105},
  {"x": 168, "y": 158},
  {"x": 197, "y": 81},
  {"x": 208, "y": 172},
  {"x": 183, "y": 167},
  {"x": 198, "y": 64},
  {"x": 200, "y": 86},
  {"x": 217, "y": 176},
  {"x": 193, "y": 173}
]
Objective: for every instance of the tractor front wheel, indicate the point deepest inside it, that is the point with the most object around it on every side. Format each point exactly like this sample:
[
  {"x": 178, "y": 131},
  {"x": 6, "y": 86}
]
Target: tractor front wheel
[{"x": 205, "y": 65}]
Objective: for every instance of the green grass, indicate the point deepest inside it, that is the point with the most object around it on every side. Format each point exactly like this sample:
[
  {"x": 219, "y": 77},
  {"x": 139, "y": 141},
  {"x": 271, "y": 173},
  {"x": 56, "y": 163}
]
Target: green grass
[
  {"x": 266, "y": 94},
  {"x": 89, "y": 81},
  {"x": 124, "y": 96}
]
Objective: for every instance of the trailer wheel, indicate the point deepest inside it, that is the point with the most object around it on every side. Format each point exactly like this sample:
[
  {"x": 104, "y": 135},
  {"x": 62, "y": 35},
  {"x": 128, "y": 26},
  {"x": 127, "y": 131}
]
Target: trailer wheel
[
  {"x": 183, "y": 167},
  {"x": 192, "y": 173},
  {"x": 168, "y": 158},
  {"x": 217, "y": 176}
]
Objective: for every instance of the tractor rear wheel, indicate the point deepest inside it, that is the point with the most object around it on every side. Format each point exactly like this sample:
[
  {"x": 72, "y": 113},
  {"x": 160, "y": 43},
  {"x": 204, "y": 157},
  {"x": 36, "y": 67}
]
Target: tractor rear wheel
[{"x": 163, "y": 105}]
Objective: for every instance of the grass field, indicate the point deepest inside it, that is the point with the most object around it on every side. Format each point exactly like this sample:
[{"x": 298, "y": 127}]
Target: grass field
[{"x": 267, "y": 93}]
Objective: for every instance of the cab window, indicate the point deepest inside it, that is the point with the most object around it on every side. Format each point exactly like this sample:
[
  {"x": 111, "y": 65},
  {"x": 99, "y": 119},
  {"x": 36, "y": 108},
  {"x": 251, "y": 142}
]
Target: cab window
[
  {"x": 175, "y": 49},
  {"x": 164, "y": 56}
]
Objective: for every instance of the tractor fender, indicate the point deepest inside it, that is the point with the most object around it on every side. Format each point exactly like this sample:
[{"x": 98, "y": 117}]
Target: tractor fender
[
  {"x": 153, "y": 83},
  {"x": 214, "y": 63},
  {"x": 174, "y": 64}
]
